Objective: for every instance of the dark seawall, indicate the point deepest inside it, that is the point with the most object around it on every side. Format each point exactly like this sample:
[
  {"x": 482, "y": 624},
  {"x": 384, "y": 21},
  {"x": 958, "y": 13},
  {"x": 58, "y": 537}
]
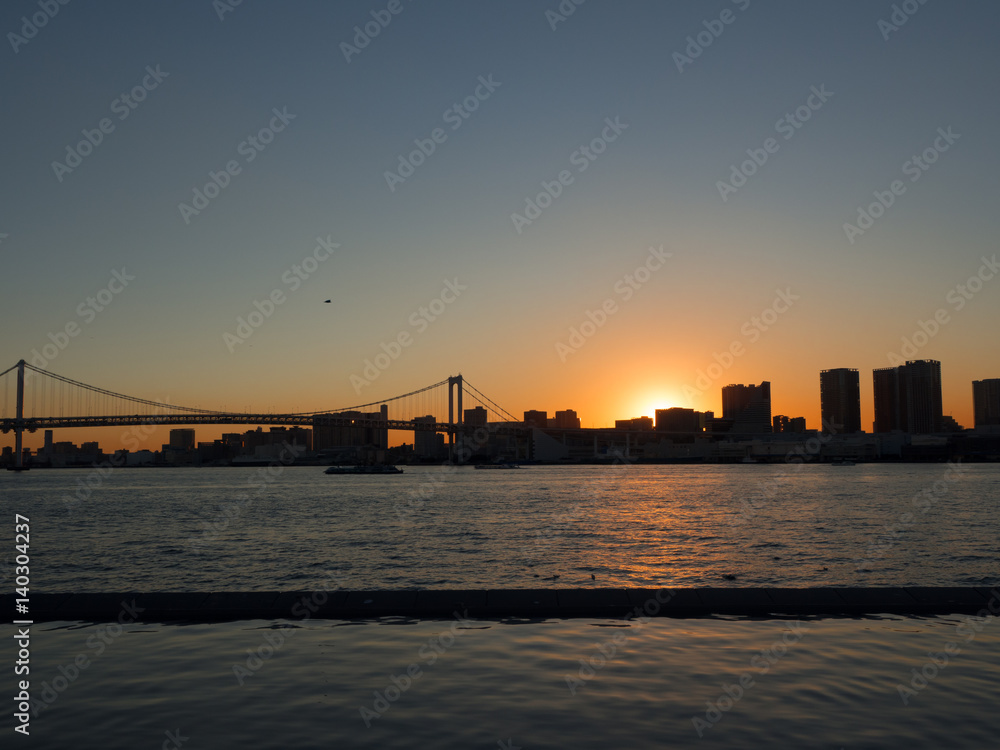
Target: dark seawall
[{"x": 505, "y": 603}]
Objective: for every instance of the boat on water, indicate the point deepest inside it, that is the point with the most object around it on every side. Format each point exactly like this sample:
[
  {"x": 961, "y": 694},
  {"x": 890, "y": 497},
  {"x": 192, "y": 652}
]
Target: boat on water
[
  {"x": 364, "y": 469},
  {"x": 497, "y": 466}
]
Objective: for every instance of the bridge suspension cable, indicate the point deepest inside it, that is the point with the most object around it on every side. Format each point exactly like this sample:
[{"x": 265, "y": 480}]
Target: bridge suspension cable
[
  {"x": 373, "y": 403},
  {"x": 499, "y": 409},
  {"x": 112, "y": 394}
]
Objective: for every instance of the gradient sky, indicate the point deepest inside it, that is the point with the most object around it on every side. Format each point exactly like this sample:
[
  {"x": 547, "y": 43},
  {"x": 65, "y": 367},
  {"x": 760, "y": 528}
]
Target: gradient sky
[{"x": 656, "y": 185}]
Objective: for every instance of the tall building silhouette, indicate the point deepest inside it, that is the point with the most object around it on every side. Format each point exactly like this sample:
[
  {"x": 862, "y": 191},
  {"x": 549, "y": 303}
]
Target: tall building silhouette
[
  {"x": 840, "y": 400},
  {"x": 908, "y": 397},
  {"x": 986, "y": 402},
  {"x": 924, "y": 410},
  {"x": 885, "y": 381},
  {"x": 749, "y": 406}
]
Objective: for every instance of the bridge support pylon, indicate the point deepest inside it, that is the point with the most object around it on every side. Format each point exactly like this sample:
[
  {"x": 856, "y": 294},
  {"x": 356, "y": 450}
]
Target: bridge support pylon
[
  {"x": 19, "y": 422},
  {"x": 455, "y": 423}
]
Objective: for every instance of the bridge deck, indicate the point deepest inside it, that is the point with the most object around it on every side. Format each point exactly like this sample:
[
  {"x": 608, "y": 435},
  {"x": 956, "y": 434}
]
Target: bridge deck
[{"x": 33, "y": 424}]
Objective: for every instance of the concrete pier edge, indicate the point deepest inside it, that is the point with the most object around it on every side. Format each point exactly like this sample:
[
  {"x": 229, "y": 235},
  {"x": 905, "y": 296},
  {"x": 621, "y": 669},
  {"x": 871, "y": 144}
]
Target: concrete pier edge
[{"x": 496, "y": 604}]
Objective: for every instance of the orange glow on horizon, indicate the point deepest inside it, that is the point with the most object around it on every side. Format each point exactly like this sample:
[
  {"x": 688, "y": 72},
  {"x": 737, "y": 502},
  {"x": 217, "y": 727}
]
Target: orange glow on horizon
[{"x": 597, "y": 390}]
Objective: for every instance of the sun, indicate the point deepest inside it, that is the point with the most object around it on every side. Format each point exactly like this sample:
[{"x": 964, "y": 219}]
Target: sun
[
  {"x": 645, "y": 399},
  {"x": 650, "y": 403},
  {"x": 658, "y": 398}
]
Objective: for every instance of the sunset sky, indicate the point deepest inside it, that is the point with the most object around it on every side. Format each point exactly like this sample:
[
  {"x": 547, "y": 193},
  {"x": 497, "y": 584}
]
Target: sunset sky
[{"x": 664, "y": 120}]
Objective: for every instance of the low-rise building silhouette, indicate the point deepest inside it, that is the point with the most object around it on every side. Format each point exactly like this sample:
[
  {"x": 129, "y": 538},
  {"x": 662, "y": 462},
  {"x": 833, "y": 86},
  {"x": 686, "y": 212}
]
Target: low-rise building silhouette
[
  {"x": 679, "y": 419},
  {"x": 566, "y": 420},
  {"x": 535, "y": 418},
  {"x": 336, "y": 431},
  {"x": 182, "y": 439},
  {"x": 427, "y": 444},
  {"x": 781, "y": 423},
  {"x": 476, "y": 417},
  {"x": 636, "y": 423}
]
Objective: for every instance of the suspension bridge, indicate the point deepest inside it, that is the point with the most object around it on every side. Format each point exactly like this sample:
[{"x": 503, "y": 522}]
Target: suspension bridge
[{"x": 35, "y": 399}]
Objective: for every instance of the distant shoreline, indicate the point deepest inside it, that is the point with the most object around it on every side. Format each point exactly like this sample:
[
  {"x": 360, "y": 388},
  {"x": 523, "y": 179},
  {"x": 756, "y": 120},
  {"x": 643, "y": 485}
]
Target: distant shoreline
[{"x": 528, "y": 464}]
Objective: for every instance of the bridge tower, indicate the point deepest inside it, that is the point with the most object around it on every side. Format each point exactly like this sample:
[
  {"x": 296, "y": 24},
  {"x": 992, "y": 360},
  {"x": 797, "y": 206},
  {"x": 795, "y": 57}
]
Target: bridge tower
[
  {"x": 19, "y": 422},
  {"x": 452, "y": 382}
]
